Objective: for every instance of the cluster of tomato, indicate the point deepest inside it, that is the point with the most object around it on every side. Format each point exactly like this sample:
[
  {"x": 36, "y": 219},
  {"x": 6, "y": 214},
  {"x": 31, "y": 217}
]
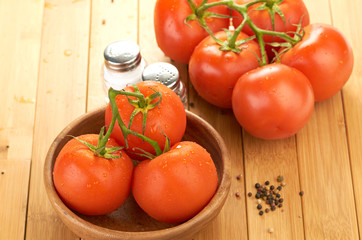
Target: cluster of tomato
[
  {"x": 93, "y": 176},
  {"x": 272, "y": 95}
]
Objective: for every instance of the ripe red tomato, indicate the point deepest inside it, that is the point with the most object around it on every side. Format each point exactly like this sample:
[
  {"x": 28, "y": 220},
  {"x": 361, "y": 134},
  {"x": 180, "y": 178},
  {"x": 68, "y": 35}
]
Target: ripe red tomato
[
  {"x": 167, "y": 118},
  {"x": 293, "y": 11},
  {"x": 176, "y": 39},
  {"x": 214, "y": 72},
  {"x": 325, "y": 57},
  {"x": 89, "y": 184},
  {"x": 272, "y": 102},
  {"x": 176, "y": 185}
]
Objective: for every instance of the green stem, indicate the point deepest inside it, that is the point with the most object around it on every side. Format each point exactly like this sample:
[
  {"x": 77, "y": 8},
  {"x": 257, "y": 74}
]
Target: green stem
[
  {"x": 126, "y": 131},
  {"x": 204, "y": 7},
  {"x": 236, "y": 34},
  {"x": 243, "y": 10},
  {"x": 208, "y": 30},
  {"x": 282, "y": 35}
]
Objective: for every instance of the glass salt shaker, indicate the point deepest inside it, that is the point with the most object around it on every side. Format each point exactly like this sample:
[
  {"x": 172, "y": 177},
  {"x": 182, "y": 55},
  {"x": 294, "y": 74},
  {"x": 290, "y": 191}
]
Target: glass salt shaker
[
  {"x": 123, "y": 65},
  {"x": 168, "y": 75}
]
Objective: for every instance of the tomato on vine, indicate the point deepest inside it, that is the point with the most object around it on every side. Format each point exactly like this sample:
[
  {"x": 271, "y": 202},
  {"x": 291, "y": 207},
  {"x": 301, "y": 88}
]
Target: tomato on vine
[
  {"x": 89, "y": 181},
  {"x": 272, "y": 102},
  {"x": 150, "y": 109},
  {"x": 324, "y": 56},
  {"x": 176, "y": 185},
  {"x": 177, "y": 39},
  {"x": 214, "y": 72},
  {"x": 274, "y": 15}
]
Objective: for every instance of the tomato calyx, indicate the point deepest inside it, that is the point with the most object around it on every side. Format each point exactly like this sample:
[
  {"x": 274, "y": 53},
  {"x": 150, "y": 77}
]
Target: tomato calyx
[
  {"x": 272, "y": 6},
  {"x": 101, "y": 150},
  {"x": 142, "y": 104}
]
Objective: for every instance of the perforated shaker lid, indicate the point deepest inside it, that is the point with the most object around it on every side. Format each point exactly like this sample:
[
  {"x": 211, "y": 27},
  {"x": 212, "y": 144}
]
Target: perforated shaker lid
[
  {"x": 123, "y": 55},
  {"x": 162, "y": 72}
]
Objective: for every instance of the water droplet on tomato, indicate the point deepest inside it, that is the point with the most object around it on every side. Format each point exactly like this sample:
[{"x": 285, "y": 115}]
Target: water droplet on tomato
[
  {"x": 104, "y": 174},
  {"x": 89, "y": 185},
  {"x": 340, "y": 61}
]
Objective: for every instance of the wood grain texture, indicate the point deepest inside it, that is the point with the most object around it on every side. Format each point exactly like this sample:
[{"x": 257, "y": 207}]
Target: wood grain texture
[
  {"x": 111, "y": 21},
  {"x": 20, "y": 31},
  {"x": 50, "y": 73},
  {"x": 60, "y": 98},
  {"x": 352, "y": 97},
  {"x": 232, "y": 221},
  {"x": 265, "y": 161},
  {"x": 324, "y": 164}
]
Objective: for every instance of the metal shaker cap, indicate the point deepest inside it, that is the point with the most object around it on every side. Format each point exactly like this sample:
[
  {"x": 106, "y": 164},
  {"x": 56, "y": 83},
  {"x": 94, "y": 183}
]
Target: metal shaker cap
[
  {"x": 162, "y": 72},
  {"x": 123, "y": 55}
]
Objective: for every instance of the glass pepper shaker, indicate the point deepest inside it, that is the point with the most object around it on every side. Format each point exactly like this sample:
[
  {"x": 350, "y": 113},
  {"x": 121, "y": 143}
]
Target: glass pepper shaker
[
  {"x": 123, "y": 65},
  {"x": 168, "y": 75}
]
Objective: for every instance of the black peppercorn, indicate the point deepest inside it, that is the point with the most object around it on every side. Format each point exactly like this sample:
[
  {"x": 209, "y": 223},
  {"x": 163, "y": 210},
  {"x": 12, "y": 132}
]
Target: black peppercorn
[
  {"x": 301, "y": 193},
  {"x": 272, "y": 208},
  {"x": 277, "y": 195},
  {"x": 259, "y": 207},
  {"x": 280, "y": 178},
  {"x": 267, "y": 183},
  {"x": 272, "y": 187},
  {"x": 279, "y": 188},
  {"x": 280, "y": 205},
  {"x": 281, "y": 200},
  {"x": 250, "y": 194},
  {"x": 257, "y": 185},
  {"x": 261, "y": 213},
  {"x": 257, "y": 195}
]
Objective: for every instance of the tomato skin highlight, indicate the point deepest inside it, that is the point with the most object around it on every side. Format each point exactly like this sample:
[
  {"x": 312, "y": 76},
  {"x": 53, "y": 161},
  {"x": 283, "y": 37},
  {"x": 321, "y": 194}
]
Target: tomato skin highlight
[
  {"x": 325, "y": 57},
  {"x": 273, "y": 102},
  {"x": 167, "y": 118},
  {"x": 89, "y": 184},
  {"x": 176, "y": 185},
  {"x": 176, "y": 39},
  {"x": 214, "y": 72}
]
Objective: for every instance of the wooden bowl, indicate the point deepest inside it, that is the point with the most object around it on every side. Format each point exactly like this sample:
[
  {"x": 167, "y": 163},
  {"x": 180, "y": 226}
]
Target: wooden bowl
[{"x": 129, "y": 221}]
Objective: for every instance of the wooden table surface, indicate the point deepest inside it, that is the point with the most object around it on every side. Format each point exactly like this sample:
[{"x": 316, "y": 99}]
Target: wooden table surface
[{"x": 50, "y": 73}]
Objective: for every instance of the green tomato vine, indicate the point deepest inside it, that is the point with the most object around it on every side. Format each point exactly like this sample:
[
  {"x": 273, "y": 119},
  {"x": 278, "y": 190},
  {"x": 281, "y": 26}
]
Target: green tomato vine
[
  {"x": 200, "y": 14},
  {"x": 142, "y": 104}
]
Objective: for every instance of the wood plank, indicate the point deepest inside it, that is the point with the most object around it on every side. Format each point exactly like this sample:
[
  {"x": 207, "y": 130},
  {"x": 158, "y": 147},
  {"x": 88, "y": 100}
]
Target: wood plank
[
  {"x": 111, "y": 21},
  {"x": 265, "y": 161},
  {"x": 20, "y": 31},
  {"x": 351, "y": 27},
  {"x": 323, "y": 159},
  {"x": 61, "y": 98},
  {"x": 232, "y": 220}
]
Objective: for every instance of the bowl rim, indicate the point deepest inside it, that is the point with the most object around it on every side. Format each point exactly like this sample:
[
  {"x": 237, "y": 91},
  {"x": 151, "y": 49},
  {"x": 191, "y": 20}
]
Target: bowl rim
[{"x": 203, "y": 216}]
